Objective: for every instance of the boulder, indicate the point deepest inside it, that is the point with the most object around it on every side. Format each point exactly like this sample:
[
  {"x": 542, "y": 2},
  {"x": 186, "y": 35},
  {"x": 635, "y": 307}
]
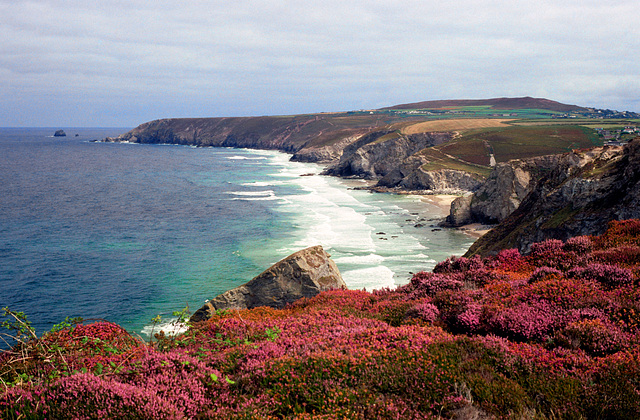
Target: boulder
[
  {"x": 303, "y": 274},
  {"x": 59, "y": 133}
]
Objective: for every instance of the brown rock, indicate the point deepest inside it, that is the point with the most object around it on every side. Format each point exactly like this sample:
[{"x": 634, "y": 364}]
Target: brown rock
[{"x": 303, "y": 274}]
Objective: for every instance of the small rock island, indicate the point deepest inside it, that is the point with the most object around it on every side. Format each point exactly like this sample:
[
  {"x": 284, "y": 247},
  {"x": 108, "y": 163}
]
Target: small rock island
[{"x": 59, "y": 133}]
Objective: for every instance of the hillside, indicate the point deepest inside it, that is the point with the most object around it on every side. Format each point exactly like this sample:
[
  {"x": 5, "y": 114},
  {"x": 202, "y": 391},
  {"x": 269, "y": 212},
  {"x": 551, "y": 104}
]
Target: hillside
[
  {"x": 496, "y": 103},
  {"x": 388, "y": 144},
  {"x": 578, "y": 194},
  {"x": 554, "y": 334}
]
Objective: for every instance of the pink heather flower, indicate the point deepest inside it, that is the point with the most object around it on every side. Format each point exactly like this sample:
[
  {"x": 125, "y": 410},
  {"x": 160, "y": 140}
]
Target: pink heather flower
[
  {"x": 609, "y": 275},
  {"x": 428, "y": 312},
  {"x": 579, "y": 244},
  {"x": 543, "y": 273}
]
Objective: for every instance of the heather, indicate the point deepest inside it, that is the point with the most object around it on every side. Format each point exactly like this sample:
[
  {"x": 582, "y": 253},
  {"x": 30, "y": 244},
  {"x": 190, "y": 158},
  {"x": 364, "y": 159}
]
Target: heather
[{"x": 552, "y": 334}]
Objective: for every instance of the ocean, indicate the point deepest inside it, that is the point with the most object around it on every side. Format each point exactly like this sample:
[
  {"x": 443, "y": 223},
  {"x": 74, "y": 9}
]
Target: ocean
[{"x": 125, "y": 232}]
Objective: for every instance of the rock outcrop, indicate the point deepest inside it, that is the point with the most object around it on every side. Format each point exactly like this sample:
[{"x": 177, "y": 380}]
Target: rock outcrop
[
  {"x": 324, "y": 153},
  {"x": 379, "y": 153},
  {"x": 303, "y": 274},
  {"x": 578, "y": 196},
  {"x": 59, "y": 133},
  {"x": 441, "y": 181},
  {"x": 502, "y": 192}
]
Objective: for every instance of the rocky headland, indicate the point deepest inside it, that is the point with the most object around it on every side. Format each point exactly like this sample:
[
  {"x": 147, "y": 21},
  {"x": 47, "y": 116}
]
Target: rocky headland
[
  {"x": 386, "y": 147},
  {"x": 578, "y": 195}
]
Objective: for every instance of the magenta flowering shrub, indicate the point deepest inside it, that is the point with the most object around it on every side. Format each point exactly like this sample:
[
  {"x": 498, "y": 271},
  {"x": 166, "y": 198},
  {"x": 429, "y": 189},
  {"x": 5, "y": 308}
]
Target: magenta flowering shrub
[
  {"x": 624, "y": 256},
  {"x": 546, "y": 248},
  {"x": 459, "y": 264},
  {"x": 480, "y": 277},
  {"x": 425, "y": 284},
  {"x": 469, "y": 318},
  {"x": 553, "y": 334},
  {"x": 551, "y": 253},
  {"x": 85, "y": 396},
  {"x": 426, "y": 311},
  {"x": 182, "y": 380},
  {"x": 524, "y": 321},
  {"x": 544, "y": 273},
  {"x": 508, "y": 260},
  {"x": 596, "y": 336},
  {"x": 578, "y": 244},
  {"x": 607, "y": 275}
]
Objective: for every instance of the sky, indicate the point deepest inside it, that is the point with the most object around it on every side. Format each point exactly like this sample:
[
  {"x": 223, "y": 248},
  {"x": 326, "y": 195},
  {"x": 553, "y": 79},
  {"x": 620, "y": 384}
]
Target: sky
[{"x": 119, "y": 63}]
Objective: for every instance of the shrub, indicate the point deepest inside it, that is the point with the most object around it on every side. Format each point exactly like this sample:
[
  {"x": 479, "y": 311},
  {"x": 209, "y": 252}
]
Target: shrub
[
  {"x": 86, "y": 396},
  {"x": 543, "y": 273},
  {"x": 608, "y": 275},
  {"x": 427, "y": 312},
  {"x": 578, "y": 244},
  {"x": 509, "y": 260},
  {"x": 551, "y": 253},
  {"x": 623, "y": 255},
  {"x": 620, "y": 232},
  {"x": 459, "y": 264},
  {"x": 525, "y": 321},
  {"x": 428, "y": 284},
  {"x": 596, "y": 337}
]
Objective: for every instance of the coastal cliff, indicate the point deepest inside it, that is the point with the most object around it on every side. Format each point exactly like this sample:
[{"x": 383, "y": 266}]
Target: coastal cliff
[
  {"x": 377, "y": 154},
  {"x": 287, "y": 133},
  {"x": 579, "y": 195},
  {"x": 503, "y": 191},
  {"x": 422, "y": 146}
]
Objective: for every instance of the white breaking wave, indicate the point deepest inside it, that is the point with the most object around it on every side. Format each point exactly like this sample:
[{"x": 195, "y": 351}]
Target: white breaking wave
[
  {"x": 246, "y": 157},
  {"x": 255, "y": 195},
  {"x": 369, "y": 278},
  {"x": 370, "y": 259},
  {"x": 170, "y": 328},
  {"x": 260, "y": 184},
  {"x": 372, "y": 238}
]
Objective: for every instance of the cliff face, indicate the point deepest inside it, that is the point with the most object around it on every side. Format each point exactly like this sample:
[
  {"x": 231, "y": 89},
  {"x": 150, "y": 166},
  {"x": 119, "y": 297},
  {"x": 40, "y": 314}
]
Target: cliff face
[
  {"x": 579, "y": 196},
  {"x": 442, "y": 181},
  {"x": 324, "y": 153},
  {"x": 501, "y": 194},
  {"x": 288, "y": 134},
  {"x": 373, "y": 156}
]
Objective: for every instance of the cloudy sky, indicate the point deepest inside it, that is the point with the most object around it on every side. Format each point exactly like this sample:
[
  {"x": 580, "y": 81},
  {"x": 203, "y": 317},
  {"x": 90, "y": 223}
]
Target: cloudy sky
[{"x": 124, "y": 62}]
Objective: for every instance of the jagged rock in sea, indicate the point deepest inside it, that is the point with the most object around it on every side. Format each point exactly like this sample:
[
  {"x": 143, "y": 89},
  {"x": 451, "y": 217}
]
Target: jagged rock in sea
[
  {"x": 502, "y": 192},
  {"x": 59, "y": 133},
  {"x": 302, "y": 274},
  {"x": 583, "y": 191}
]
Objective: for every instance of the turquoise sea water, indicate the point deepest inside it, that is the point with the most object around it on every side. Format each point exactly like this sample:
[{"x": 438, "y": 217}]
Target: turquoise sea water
[{"x": 125, "y": 232}]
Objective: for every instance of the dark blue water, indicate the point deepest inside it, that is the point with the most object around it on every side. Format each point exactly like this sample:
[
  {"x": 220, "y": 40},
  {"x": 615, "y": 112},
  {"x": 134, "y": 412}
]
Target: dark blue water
[{"x": 125, "y": 232}]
